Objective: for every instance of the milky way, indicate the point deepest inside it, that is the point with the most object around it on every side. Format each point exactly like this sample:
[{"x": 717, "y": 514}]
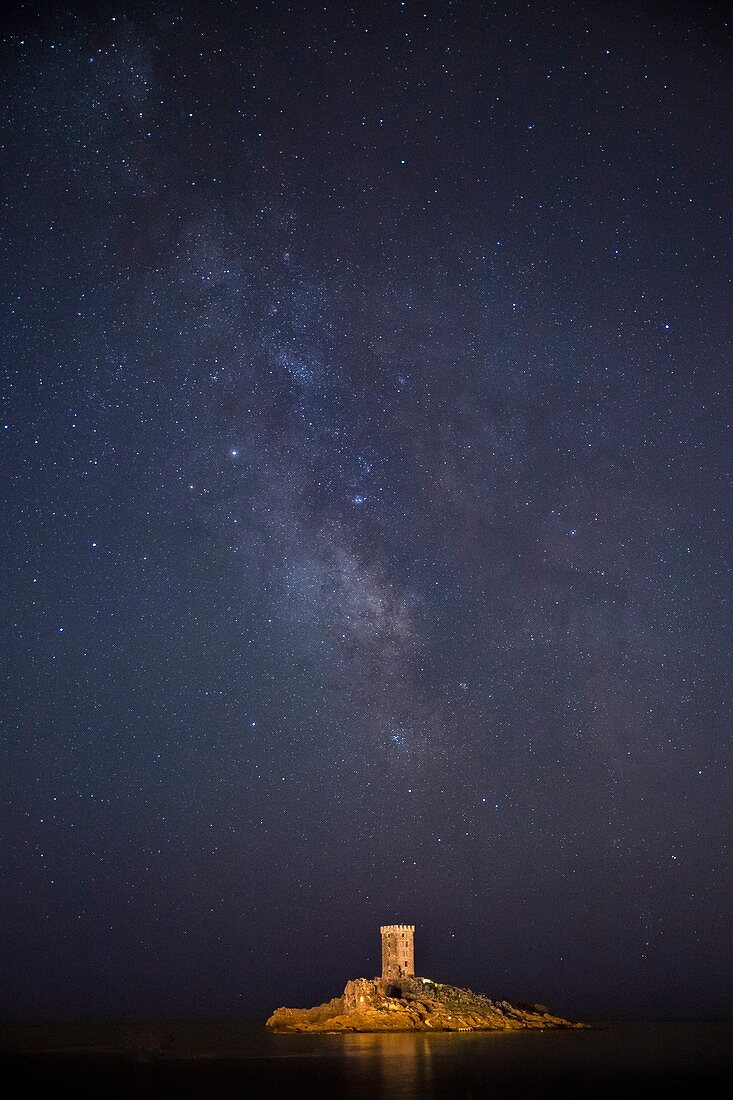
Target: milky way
[{"x": 365, "y": 500}]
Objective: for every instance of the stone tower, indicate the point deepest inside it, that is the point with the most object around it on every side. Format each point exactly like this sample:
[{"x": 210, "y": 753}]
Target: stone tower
[{"x": 398, "y": 951}]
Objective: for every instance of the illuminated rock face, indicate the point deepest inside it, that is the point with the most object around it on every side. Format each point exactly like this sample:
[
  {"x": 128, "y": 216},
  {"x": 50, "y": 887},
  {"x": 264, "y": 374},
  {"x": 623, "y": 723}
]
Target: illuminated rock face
[
  {"x": 423, "y": 1005},
  {"x": 398, "y": 952}
]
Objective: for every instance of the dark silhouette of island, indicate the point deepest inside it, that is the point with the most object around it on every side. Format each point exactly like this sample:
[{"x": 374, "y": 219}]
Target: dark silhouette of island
[{"x": 400, "y": 1001}]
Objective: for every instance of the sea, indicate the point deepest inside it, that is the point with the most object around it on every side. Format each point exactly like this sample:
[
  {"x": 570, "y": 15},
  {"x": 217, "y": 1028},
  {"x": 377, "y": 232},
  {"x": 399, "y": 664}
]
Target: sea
[{"x": 239, "y": 1061}]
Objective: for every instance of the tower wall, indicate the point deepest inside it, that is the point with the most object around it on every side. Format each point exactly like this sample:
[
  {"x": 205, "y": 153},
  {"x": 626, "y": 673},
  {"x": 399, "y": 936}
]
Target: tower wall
[{"x": 398, "y": 951}]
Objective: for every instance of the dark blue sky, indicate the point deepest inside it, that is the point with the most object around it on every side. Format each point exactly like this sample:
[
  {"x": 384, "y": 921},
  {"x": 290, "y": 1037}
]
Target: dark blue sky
[{"x": 365, "y": 503}]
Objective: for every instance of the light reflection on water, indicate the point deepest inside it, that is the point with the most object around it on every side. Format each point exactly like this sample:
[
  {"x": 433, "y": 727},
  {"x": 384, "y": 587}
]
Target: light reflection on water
[
  {"x": 599, "y": 1062},
  {"x": 398, "y": 1064},
  {"x": 241, "y": 1062}
]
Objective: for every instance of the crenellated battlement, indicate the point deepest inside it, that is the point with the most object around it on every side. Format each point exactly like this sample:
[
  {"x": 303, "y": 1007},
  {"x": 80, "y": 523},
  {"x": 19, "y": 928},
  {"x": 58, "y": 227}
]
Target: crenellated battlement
[{"x": 396, "y": 928}]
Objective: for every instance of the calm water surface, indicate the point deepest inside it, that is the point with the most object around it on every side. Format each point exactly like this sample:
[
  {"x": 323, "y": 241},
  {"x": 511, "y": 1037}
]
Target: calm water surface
[{"x": 227, "y": 1061}]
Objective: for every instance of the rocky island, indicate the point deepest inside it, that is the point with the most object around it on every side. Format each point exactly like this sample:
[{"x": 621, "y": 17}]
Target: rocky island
[
  {"x": 400, "y": 1001},
  {"x": 419, "y": 1005}
]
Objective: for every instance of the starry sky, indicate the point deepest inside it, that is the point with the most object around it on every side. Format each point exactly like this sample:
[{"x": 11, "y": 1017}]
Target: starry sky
[{"x": 365, "y": 503}]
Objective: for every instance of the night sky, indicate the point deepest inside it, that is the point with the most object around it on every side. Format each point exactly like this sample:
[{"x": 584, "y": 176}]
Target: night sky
[{"x": 364, "y": 503}]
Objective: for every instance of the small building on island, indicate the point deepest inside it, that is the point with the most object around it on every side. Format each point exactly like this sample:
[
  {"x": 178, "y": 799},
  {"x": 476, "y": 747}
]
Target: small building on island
[{"x": 398, "y": 952}]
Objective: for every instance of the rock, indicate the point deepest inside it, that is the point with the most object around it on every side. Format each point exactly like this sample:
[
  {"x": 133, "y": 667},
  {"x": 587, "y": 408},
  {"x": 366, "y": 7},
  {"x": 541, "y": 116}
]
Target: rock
[{"x": 416, "y": 1004}]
